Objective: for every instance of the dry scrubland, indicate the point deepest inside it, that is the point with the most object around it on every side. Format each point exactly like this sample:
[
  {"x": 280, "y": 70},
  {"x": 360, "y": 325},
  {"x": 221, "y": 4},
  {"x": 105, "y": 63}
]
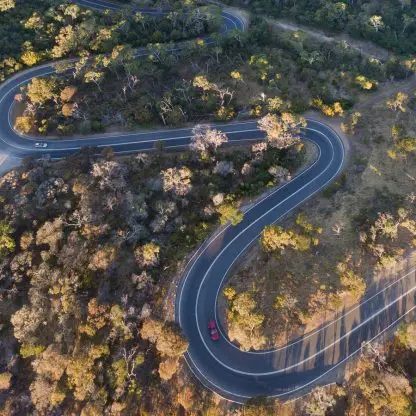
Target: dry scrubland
[{"x": 375, "y": 181}]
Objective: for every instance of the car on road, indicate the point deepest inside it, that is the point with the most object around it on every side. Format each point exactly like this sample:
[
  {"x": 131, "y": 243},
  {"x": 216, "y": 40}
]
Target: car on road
[
  {"x": 213, "y": 331},
  {"x": 41, "y": 145}
]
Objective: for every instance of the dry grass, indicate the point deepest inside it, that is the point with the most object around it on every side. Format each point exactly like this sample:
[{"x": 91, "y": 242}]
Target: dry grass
[{"x": 369, "y": 170}]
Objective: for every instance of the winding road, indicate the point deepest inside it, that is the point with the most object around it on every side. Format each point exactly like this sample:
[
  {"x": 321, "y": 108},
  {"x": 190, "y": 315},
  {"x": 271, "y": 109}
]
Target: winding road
[{"x": 286, "y": 372}]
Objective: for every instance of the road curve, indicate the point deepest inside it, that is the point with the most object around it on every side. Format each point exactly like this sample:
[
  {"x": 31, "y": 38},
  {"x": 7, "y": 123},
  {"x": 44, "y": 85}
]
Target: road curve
[
  {"x": 314, "y": 358},
  {"x": 287, "y": 371}
]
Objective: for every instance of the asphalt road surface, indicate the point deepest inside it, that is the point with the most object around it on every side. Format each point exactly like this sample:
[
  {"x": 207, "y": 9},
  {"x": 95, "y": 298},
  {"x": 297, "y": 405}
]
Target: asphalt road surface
[{"x": 289, "y": 371}]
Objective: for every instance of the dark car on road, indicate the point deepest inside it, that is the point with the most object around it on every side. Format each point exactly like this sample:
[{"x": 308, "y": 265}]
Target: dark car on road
[{"x": 213, "y": 331}]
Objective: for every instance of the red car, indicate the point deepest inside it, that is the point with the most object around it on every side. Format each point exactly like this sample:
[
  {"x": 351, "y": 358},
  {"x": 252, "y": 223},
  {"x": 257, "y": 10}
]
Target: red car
[{"x": 213, "y": 331}]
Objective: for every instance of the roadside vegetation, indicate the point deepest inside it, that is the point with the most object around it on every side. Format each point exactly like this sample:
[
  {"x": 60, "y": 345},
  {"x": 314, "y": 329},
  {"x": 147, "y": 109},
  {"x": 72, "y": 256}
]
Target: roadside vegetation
[{"x": 245, "y": 75}]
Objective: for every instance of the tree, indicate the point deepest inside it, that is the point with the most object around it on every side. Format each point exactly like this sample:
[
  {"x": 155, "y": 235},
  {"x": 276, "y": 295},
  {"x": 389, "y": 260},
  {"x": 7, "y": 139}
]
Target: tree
[
  {"x": 50, "y": 364},
  {"x": 24, "y": 124},
  {"x": 167, "y": 336},
  {"x": 274, "y": 104},
  {"x": 41, "y": 390},
  {"x": 237, "y": 76},
  {"x": 26, "y": 322},
  {"x": 168, "y": 367},
  {"x": 68, "y": 109},
  {"x": 81, "y": 377},
  {"x": 50, "y": 233},
  {"x": 275, "y": 238},
  {"x": 200, "y": 81},
  {"x": 147, "y": 255},
  {"x": 224, "y": 168},
  {"x": 31, "y": 350},
  {"x": 94, "y": 76},
  {"x": 177, "y": 180},
  {"x": 151, "y": 329},
  {"x": 398, "y": 102},
  {"x": 351, "y": 281},
  {"x": 286, "y": 303},
  {"x": 171, "y": 342},
  {"x": 261, "y": 406},
  {"x": 405, "y": 145},
  {"x": 376, "y": 22},
  {"x": 365, "y": 83},
  {"x": 230, "y": 293},
  {"x": 282, "y": 131},
  {"x": 382, "y": 392},
  {"x": 333, "y": 14},
  {"x": 229, "y": 212},
  {"x": 110, "y": 174},
  {"x": 72, "y": 10},
  {"x": 97, "y": 318},
  {"x": 30, "y": 58},
  {"x": 7, "y": 243},
  {"x": 320, "y": 403},
  {"x": 244, "y": 324},
  {"x": 41, "y": 90},
  {"x": 352, "y": 123},
  {"x": 66, "y": 40},
  {"x": 407, "y": 335},
  {"x": 103, "y": 258},
  {"x": 205, "y": 140},
  {"x": 6, "y": 5}
]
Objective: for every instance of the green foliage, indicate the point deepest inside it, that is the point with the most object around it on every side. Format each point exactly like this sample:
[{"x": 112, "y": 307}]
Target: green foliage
[
  {"x": 6, "y": 5},
  {"x": 351, "y": 281},
  {"x": 119, "y": 373},
  {"x": 29, "y": 350},
  {"x": 230, "y": 293},
  {"x": 406, "y": 335},
  {"x": 7, "y": 243},
  {"x": 403, "y": 147},
  {"x": 260, "y": 406},
  {"x": 245, "y": 323},
  {"x": 229, "y": 212},
  {"x": 277, "y": 239},
  {"x": 41, "y": 90}
]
